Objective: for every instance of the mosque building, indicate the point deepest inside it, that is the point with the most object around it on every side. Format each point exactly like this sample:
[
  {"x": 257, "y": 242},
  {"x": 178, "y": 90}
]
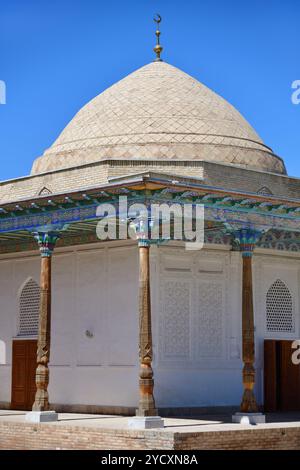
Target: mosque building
[{"x": 119, "y": 325}]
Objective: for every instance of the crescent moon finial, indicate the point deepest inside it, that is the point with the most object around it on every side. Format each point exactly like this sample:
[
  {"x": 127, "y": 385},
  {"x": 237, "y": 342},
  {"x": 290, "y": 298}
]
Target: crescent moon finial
[
  {"x": 157, "y": 18},
  {"x": 158, "y": 48}
]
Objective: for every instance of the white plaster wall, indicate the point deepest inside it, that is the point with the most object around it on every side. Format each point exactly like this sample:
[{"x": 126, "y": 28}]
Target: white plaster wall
[
  {"x": 92, "y": 289},
  {"x": 196, "y": 375},
  {"x": 196, "y": 307}
]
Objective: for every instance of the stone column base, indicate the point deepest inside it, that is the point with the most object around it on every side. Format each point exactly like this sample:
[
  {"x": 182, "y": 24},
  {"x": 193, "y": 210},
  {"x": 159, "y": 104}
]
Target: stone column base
[
  {"x": 249, "y": 418},
  {"x": 41, "y": 416},
  {"x": 145, "y": 422}
]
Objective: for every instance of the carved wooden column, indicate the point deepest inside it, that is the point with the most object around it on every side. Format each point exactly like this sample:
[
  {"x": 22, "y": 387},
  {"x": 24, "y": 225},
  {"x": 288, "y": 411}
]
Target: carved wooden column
[
  {"x": 146, "y": 382},
  {"x": 46, "y": 241},
  {"x": 247, "y": 239},
  {"x": 146, "y": 413}
]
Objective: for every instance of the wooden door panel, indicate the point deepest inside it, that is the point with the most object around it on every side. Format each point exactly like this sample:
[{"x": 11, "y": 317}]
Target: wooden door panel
[
  {"x": 290, "y": 379},
  {"x": 31, "y": 370},
  {"x": 19, "y": 348},
  {"x": 270, "y": 376},
  {"x": 281, "y": 377},
  {"x": 19, "y": 375},
  {"x": 23, "y": 374}
]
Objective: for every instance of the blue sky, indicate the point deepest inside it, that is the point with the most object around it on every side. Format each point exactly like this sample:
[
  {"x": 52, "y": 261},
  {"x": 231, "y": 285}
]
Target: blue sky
[{"x": 55, "y": 55}]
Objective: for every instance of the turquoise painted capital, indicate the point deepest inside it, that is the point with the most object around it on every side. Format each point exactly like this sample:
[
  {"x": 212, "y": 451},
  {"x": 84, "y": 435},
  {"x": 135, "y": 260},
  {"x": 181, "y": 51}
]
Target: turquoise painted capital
[
  {"x": 144, "y": 243},
  {"x": 146, "y": 234},
  {"x": 46, "y": 242},
  {"x": 142, "y": 228},
  {"x": 247, "y": 238}
]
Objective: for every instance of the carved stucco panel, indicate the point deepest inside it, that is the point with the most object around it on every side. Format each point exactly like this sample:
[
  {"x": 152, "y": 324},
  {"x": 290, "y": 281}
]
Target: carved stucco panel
[
  {"x": 209, "y": 320},
  {"x": 175, "y": 319}
]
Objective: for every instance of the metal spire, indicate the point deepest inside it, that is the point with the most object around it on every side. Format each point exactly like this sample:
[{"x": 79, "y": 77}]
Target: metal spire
[{"x": 158, "y": 48}]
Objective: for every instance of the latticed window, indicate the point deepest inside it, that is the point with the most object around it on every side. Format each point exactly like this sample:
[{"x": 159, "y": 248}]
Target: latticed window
[
  {"x": 279, "y": 304},
  {"x": 29, "y": 309}
]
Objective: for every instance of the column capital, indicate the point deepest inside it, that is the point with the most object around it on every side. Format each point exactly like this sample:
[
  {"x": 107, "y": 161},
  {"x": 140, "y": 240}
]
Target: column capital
[
  {"x": 145, "y": 243},
  {"x": 246, "y": 238},
  {"x": 141, "y": 227},
  {"x": 46, "y": 241},
  {"x": 145, "y": 233}
]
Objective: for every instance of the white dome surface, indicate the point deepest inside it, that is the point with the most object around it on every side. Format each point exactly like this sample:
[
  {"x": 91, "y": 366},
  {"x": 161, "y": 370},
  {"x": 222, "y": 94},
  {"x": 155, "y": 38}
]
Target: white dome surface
[{"x": 159, "y": 112}]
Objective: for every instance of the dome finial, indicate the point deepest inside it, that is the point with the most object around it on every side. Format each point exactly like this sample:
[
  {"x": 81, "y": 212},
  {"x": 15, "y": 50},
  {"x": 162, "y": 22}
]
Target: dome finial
[{"x": 158, "y": 48}]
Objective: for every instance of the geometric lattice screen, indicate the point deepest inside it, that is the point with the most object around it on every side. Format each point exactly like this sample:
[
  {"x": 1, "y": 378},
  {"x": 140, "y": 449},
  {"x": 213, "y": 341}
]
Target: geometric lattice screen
[
  {"x": 29, "y": 309},
  {"x": 279, "y": 307}
]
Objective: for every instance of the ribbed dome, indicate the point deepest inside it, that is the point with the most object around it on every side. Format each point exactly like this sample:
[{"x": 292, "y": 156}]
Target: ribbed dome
[{"x": 159, "y": 112}]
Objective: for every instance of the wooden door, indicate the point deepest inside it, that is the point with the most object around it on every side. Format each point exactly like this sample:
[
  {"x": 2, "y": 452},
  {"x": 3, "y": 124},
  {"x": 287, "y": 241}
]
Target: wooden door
[
  {"x": 281, "y": 377},
  {"x": 289, "y": 380},
  {"x": 271, "y": 373},
  {"x": 23, "y": 374}
]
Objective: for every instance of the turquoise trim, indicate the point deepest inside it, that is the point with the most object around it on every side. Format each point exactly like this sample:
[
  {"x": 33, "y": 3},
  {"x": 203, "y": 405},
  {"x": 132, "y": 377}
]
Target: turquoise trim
[{"x": 46, "y": 242}]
